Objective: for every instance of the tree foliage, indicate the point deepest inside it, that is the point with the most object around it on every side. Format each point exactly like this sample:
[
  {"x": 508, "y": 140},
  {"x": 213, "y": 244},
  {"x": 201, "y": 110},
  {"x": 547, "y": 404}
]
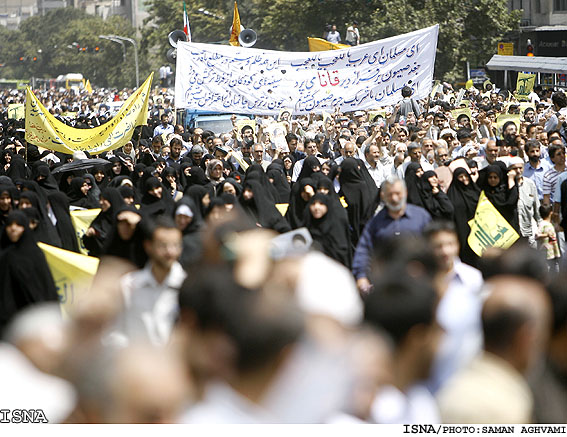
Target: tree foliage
[
  {"x": 54, "y": 39},
  {"x": 469, "y": 29}
]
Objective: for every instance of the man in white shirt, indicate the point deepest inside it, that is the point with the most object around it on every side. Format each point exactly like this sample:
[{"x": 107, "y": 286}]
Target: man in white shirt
[
  {"x": 352, "y": 34},
  {"x": 373, "y": 165},
  {"x": 164, "y": 127},
  {"x": 334, "y": 36},
  {"x": 460, "y": 303},
  {"x": 151, "y": 294}
]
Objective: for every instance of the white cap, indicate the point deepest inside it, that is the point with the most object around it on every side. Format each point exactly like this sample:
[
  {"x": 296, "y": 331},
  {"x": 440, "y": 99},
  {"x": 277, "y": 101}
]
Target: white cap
[{"x": 184, "y": 210}]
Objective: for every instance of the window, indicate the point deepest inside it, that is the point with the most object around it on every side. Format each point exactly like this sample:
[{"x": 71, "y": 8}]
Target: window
[
  {"x": 537, "y": 6},
  {"x": 560, "y": 5}
]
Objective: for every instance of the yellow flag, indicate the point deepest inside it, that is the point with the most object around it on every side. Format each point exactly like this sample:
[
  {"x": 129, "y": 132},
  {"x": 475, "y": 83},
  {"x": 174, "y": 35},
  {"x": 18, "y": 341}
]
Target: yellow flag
[
  {"x": 282, "y": 208},
  {"x": 489, "y": 228},
  {"x": 320, "y": 45},
  {"x": 82, "y": 219},
  {"x": 88, "y": 87},
  {"x": 44, "y": 130},
  {"x": 525, "y": 85},
  {"x": 233, "y": 41},
  {"x": 72, "y": 272}
]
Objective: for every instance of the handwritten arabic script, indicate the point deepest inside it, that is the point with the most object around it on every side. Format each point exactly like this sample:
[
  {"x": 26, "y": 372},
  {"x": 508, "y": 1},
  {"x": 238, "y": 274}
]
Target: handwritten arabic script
[{"x": 252, "y": 81}]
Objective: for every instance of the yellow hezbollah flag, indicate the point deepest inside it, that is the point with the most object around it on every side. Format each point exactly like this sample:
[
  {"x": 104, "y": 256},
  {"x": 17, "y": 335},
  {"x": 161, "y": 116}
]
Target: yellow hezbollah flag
[
  {"x": 44, "y": 130},
  {"x": 525, "y": 85},
  {"x": 72, "y": 273},
  {"x": 235, "y": 32},
  {"x": 82, "y": 219},
  {"x": 320, "y": 45},
  {"x": 489, "y": 228},
  {"x": 88, "y": 87}
]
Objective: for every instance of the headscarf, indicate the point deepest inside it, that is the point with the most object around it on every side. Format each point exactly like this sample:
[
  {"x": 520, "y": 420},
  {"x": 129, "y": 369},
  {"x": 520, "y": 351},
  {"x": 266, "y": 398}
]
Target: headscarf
[
  {"x": 465, "y": 200},
  {"x": 262, "y": 209},
  {"x": 26, "y": 278},
  {"x": 46, "y": 231},
  {"x": 197, "y": 193},
  {"x": 330, "y": 232},
  {"x": 412, "y": 183},
  {"x": 151, "y": 206},
  {"x": 103, "y": 222},
  {"x": 504, "y": 199},
  {"x": 361, "y": 197},
  {"x": 280, "y": 184},
  {"x": 60, "y": 207},
  {"x": 438, "y": 205},
  {"x": 309, "y": 164},
  {"x": 295, "y": 213},
  {"x": 132, "y": 249}
]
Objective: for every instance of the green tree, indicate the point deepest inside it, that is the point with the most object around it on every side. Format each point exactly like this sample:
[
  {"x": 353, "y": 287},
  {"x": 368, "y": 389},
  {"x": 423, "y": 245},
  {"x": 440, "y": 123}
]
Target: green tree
[{"x": 53, "y": 40}]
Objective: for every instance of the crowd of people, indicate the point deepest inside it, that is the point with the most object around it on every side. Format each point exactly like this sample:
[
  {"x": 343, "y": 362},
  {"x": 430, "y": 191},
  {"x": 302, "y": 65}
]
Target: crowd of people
[{"x": 328, "y": 279}]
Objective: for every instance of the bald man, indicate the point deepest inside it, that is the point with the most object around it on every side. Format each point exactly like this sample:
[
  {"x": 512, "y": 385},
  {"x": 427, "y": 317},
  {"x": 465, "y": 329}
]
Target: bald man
[{"x": 492, "y": 389}]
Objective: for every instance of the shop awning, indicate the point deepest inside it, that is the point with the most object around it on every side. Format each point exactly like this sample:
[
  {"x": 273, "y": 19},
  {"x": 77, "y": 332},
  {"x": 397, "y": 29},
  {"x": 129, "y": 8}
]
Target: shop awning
[{"x": 533, "y": 64}]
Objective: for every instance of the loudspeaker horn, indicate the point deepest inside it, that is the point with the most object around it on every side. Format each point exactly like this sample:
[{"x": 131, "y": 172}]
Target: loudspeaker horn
[
  {"x": 247, "y": 38},
  {"x": 171, "y": 56},
  {"x": 175, "y": 36}
]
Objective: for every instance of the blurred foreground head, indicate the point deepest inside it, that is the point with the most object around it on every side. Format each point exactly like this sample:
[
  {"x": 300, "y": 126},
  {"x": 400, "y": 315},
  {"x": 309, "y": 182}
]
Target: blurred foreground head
[{"x": 140, "y": 384}]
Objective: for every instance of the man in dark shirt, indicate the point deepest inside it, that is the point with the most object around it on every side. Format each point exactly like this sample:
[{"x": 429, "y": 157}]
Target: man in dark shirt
[{"x": 395, "y": 219}]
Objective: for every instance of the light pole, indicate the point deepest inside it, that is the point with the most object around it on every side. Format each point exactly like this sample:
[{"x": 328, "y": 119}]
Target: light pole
[
  {"x": 119, "y": 41},
  {"x": 133, "y": 42}
]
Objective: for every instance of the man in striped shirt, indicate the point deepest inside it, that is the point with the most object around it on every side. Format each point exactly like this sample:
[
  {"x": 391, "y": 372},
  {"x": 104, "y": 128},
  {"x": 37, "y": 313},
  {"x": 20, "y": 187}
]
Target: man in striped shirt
[{"x": 557, "y": 155}]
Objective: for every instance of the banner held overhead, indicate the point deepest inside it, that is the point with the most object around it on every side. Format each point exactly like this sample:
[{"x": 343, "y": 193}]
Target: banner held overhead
[
  {"x": 44, "y": 130},
  {"x": 253, "y": 81}
]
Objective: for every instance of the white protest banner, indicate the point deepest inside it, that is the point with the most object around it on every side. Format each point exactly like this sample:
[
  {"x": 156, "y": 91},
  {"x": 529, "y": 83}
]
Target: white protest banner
[{"x": 253, "y": 81}]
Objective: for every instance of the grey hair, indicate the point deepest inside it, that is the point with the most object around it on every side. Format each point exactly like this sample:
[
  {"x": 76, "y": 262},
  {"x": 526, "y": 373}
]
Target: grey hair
[{"x": 391, "y": 180}]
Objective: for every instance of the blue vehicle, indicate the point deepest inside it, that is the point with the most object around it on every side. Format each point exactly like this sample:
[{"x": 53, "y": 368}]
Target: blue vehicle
[{"x": 214, "y": 121}]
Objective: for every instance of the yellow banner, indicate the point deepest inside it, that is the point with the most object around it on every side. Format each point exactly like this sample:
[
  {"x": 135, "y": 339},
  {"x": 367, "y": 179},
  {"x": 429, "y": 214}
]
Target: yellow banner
[
  {"x": 88, "y": 87},
  {"x": 73, "y": 273},
  {"x": 82, "y": 219},
  {"x": 44, "y": 130},
  {"x": 320, "y": 45},
  {"x": 16, "y": 111},
  {"x": 525, "y": 85},
  {"x": 489, "y": 228}
]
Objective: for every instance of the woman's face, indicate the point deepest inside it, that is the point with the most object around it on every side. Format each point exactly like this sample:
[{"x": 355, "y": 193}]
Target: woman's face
[
  {"x": 156, "y": 192},
  {"x": 206, "y": 201},
  {"x": 433, "y": 181},
  {"x": 419, "y": 172},
  {"x": 323, "y": 190},
  {"x": 127, "y": 148},
  {"x": 325, "y": 169},
  {"x": 14, "y": 232},
  {"x": 5, "y": 201},
  {"x": 24, "y": 203},
  {"x": 85, "y": 188},
  {"x": 104, "y": 204},
  {"x": 463, "y": 178},
  {"x": 307, "y": 193},
  {"x": 216, "y": 172},
  {"x": 318, "y": 209},
  {"x": 99, "y": 176},
  {"x": 493, "y": 179},
  {"x": 116, "y": 168},
  {"x": 287, "y": 164},
  {"x": 229, "y": 188},
  {"x": 170, "y": 178},
  {"x": 248, "y": 194},
  {"x": 182, "y": 221},
  {"x": 129, "y": 200}
]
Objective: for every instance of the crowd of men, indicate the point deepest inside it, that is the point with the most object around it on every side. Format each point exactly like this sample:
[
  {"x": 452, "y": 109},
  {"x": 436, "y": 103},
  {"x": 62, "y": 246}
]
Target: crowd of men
[{"x": 326, "y": 279}]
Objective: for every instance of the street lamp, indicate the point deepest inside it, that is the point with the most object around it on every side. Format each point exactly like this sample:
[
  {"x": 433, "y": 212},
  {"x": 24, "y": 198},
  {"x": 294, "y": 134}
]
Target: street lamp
[
  {"x": 133, "y": 42},
  {"x": 119, "y": 41}
]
